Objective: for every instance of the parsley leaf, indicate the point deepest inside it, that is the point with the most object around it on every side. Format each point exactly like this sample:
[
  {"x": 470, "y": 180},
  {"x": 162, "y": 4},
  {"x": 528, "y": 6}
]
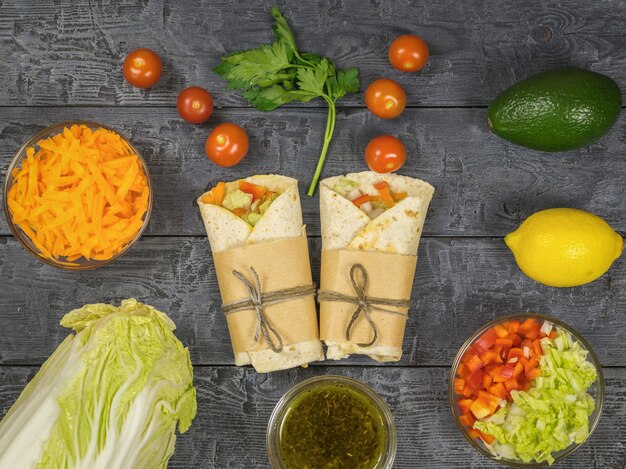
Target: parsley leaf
[
  {"x": 261, "y": 66},
  {"x": 313, "y": 79},
  {"x": 268, "y": 99},
  {"x": 345, "y": 81},
  {"x": 281, "y": 29},
  {"x": 276, "y": 74}
]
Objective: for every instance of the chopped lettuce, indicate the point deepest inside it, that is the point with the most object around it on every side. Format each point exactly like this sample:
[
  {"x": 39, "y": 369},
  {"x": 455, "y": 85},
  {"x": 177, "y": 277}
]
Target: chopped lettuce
[
  {"x": 252, "y": 218},
  {"x": 553, "y": 413},
  {"x": 344, "y": 186},
  {"x": 258, "y": 209},
  {"x": 265, "y": 205},
  {"x": 111, "y": 395},
  {"x": 235, "y": 199}
]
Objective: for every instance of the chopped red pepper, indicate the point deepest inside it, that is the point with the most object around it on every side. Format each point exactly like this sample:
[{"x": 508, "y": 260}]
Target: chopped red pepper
[
  {"x": 467, "y": 419},
  {"x": 506, "y": 343},
  {"x": 474, "y": 364},
  {"x": 498, "y": 389},
  {"x": 361, "y": 200},
  {"x": 475, "y": 380},
  {"x": 500, "y": 331},
  {"x": 485, "y": 341},
  {"x": 490, "y": 356},
  {"x": 530, "y": 328},
  {"x": 503, "y": 359},
  {"x": 257, "y": 192},
  {"x": 513, "y": 326},
  {"x": 464, "y": 405}
]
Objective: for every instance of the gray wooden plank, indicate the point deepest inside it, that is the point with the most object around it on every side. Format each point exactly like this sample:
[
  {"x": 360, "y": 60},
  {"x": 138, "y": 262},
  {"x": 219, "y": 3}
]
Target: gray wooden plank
[
  {"x": 484, "y": 185},
  {"x": 71, "y": 52},
  {"x": 460, "y": 284},
  {"x": 234, "y": 406}
]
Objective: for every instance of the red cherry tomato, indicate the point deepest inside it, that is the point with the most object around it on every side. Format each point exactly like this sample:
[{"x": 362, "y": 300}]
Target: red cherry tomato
[
  {"x": 142, "y": 68},
  {"x": 385, "y": 98},
  {"x": 385, "y": 154},
  {"x": 227, "y": 144},
  {"x": 408, "y": 53},
  {"x": 195, "y": 105}
]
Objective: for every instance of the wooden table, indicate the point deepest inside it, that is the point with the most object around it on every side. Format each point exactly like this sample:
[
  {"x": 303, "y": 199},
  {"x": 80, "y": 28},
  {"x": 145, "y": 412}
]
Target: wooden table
[{"x": 62, "y": 60}]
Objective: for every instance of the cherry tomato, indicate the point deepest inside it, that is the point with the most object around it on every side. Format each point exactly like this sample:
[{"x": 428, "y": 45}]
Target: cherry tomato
[
  {"x": 227, "y": 144},
  {"x": 385, "y": 154},
  {"x": 195, "y": 105},
  {"x": 385, "y": 98},
  {"x": 408, "y": 53},
  {"x": 142, "y": 68}
]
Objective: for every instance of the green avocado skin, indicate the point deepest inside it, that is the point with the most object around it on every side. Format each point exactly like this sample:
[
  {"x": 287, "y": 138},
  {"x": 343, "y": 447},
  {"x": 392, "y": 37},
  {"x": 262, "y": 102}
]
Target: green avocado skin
[{"x": 557, "y": 110}]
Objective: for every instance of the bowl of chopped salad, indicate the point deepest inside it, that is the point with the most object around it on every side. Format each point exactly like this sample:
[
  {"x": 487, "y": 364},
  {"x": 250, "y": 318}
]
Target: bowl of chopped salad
[{"x": 526, "y": 390}]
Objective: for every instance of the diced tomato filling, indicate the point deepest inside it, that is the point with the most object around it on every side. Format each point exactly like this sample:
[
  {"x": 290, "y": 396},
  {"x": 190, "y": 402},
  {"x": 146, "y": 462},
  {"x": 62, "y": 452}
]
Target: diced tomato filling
[{"x": 503, "y": 359}]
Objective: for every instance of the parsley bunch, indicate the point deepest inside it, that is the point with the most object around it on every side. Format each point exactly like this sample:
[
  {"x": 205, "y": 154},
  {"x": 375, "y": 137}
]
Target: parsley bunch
[{"x": 275, "y": 74}]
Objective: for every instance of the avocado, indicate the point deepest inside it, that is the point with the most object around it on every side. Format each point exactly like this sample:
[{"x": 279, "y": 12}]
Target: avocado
[{"x": 557, "y": 110}]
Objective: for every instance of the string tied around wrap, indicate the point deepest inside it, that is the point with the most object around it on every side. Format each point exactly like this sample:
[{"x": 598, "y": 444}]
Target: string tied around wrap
[
  {"x": 257, "y": 301},
  {"x": 364, "y": 304}
]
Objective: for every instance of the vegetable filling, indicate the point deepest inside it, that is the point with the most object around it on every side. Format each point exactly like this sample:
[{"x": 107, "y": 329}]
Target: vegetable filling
[
  {"x": 373, "y": 205},
  {"x": 246, "y": 200}
]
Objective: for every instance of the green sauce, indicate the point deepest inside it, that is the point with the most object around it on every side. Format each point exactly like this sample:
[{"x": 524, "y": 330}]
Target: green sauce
[{"x": 332, "y": 426}]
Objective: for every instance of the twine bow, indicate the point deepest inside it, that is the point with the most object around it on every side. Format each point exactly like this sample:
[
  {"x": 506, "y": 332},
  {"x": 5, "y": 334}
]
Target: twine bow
[
  {"x": 258, "y": 301},
  {"x": 365, "y": 304}
]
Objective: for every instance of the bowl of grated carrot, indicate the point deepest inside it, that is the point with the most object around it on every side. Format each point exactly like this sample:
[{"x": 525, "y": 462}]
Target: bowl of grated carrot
[{"x": 77, "y": 195}]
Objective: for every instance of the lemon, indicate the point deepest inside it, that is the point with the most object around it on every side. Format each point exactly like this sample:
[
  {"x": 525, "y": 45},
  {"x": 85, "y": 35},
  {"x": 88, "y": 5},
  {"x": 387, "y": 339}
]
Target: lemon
[{"x": 564, "y": 247}]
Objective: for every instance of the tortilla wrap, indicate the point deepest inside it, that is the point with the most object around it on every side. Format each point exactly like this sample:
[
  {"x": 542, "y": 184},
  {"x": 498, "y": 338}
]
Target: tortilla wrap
[
  {"x": 283, "y": 219},
  {"x": 396, "y": 231}
]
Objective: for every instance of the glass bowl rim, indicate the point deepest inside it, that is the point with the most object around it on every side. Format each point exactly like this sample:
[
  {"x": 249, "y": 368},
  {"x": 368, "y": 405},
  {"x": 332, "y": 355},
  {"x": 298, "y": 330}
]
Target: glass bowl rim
[
  {"x": 278, "y": 415},
  {"x": 452, "y": 396},
  {"x": 8, "y": 182}
]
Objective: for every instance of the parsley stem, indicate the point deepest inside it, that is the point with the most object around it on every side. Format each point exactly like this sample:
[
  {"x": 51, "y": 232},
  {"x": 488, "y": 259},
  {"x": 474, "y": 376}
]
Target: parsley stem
[{"x": 328, "y": 135}]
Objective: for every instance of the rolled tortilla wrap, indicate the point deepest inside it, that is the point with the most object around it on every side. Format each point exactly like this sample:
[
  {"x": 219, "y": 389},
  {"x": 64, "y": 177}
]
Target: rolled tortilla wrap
[
  {"x": 396, "y": 231},
  {"x": 283, "y": 219}
]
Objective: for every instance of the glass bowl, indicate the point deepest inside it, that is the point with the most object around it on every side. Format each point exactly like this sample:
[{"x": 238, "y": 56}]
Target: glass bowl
[
  {"x": 283, "y": 407},
  {"x": 80, "y": 263},
  {"x": 596, "y": 390}
]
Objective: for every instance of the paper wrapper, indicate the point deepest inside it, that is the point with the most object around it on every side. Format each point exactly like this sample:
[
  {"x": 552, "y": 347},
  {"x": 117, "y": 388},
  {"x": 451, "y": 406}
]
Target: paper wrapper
[
  {"x": 390, "y": 277},
  {"x": 280, "y": 264}
]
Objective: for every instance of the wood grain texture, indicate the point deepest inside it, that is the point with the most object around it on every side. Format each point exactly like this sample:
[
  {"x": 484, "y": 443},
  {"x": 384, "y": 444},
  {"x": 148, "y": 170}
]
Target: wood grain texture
[
  {"x": 61, "y": 60},
  {"x": 485, "y": 186},
  {"x": 234, "y": 406},
  {"x": 460, "y": 284},
  {"x": 67, "y": 52}
]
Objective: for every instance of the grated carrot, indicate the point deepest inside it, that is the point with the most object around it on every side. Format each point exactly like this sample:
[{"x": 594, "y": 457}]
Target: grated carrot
[{"x": 82, "y": 194}]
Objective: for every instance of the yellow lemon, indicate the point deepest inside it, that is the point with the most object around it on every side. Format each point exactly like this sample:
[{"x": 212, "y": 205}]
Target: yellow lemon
[{"x": 564, "y": 247}]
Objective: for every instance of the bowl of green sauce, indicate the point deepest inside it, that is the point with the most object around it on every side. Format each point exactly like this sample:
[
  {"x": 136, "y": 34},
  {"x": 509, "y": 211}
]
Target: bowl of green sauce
[{"x": 331, "y": 422}]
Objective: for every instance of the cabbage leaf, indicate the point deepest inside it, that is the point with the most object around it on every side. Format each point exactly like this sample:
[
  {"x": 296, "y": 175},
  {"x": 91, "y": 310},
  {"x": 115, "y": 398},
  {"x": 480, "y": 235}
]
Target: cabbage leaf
[{"x": 110, "y": 396}]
